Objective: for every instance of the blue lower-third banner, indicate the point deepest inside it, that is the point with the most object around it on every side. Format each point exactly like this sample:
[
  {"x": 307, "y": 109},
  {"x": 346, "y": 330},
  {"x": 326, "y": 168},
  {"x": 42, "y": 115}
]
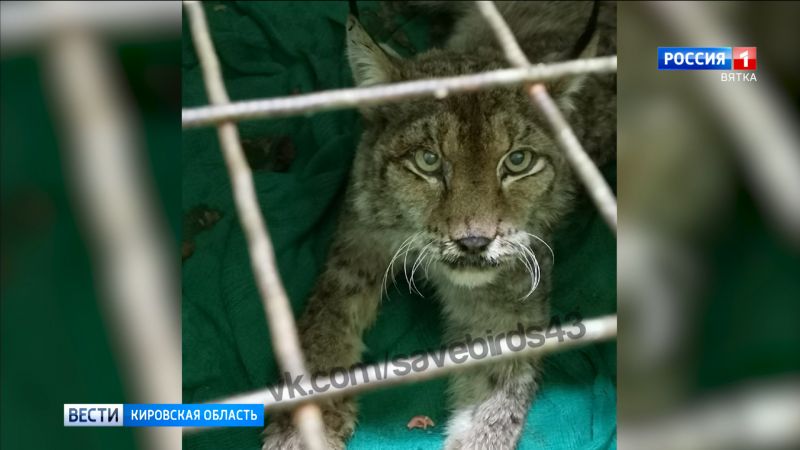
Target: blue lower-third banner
[{"x": 163, "y": 415}]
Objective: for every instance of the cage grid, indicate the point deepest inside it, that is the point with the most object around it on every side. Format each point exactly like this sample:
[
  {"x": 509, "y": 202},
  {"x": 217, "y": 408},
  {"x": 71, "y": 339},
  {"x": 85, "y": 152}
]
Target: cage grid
[
  {"x": 765, "y": 149},
  {"x": 224, "y": 115}
]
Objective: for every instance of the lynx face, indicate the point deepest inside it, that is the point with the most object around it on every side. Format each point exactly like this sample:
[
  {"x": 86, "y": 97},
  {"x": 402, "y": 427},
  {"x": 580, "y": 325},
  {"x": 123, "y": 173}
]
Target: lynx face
[{"x": 469, "y": 181}]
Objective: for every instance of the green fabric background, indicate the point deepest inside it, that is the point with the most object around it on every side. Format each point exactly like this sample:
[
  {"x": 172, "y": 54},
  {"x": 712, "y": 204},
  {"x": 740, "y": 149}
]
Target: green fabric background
[
  {"x": 277, "y": 48},
  {"x": 54, "y": 346}
]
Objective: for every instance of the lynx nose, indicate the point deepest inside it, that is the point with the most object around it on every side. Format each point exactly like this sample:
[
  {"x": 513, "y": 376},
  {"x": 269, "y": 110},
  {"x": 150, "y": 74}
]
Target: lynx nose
[{"x": 473, "y": 243}]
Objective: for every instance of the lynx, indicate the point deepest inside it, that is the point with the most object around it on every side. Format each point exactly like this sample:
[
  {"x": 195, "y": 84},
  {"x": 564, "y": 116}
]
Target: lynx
[{"x": 466, "y": 192}]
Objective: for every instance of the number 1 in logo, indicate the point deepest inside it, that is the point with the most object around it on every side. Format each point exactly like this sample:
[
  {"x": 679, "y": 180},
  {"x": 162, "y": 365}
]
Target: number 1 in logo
[{"x": 744, "y": 58}]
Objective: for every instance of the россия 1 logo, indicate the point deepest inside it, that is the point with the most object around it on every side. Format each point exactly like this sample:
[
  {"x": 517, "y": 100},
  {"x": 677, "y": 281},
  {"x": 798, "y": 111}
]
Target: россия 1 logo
[{"x": 739, "y": 62}]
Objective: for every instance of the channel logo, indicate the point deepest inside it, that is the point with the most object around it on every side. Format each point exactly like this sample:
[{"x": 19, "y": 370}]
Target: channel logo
[
  {"x": 707, "y": 58},
  {"x": 163, "y": 415},
  {"x": 93, "y": 415}
]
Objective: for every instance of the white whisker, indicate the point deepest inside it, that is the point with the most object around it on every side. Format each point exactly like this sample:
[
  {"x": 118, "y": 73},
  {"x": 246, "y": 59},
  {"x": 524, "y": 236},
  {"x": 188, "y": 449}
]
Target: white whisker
[
  {"x": 545, "y": 244},
  {"x": 390, "y": 267},
  {"x": 522, "y": 257},
  {"x": 417, "y": 263},
  {"x": 428, "y": 264},
  {"x": 405, "y": 261},
  {"x": 537, "y": 268},
  {"x": 533, "y": 269},
  {"x": 532, "y": 273}
]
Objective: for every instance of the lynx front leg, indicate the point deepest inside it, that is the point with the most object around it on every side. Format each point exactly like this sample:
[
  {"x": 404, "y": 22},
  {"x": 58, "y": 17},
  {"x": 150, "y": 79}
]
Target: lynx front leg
[
  {"x": 343, "y": 305},
  {"x": 490, "y": 406}
]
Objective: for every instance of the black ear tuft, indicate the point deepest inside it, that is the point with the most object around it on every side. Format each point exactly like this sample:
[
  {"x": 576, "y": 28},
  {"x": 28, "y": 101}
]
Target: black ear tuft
[{"x": 369, "y": 62}]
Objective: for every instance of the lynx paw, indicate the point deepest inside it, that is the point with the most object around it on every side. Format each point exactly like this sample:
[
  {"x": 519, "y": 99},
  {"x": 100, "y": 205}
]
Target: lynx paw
[
  {"x": 287, "y": 438},
  {"x": 281, "y": 438}
]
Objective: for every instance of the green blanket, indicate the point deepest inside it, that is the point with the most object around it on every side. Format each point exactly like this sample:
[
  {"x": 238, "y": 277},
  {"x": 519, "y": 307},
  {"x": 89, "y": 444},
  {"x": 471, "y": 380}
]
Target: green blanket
[{"x": 276, "y": 49}]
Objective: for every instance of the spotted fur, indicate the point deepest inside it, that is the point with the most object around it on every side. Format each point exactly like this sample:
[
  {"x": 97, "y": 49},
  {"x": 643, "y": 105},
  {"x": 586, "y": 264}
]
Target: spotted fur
[{"x": 401, "y": 222}]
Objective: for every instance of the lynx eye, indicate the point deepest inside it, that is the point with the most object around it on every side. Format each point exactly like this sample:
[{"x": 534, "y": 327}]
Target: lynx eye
[
  {"x": 427, "y": 161},
  {"x": 523, "y": 161}
]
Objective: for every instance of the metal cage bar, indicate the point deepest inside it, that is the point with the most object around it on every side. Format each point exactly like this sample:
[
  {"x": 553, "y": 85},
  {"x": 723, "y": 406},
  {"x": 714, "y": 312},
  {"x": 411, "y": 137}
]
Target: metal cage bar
[
  {"x": 336, "y": 99},
  {"x": 129, "y": 250},
  {"x": 383, "y": 374},
  {"x": 283, "y": 332}
]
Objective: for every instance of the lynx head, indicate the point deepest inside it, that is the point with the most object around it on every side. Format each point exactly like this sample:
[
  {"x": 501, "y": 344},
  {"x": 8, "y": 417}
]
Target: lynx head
[{"x": 470, "y": 179}]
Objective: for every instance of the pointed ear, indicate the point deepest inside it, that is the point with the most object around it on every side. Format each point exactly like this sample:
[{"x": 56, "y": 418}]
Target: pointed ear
[
  {"x": 370, "y": 63},
  {"x": 565, "y": 90}
]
